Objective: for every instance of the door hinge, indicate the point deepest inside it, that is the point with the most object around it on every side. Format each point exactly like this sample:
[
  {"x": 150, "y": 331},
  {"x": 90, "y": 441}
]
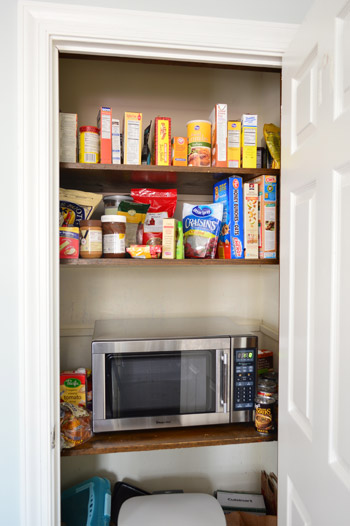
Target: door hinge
[{"x": 53, "y": 438}]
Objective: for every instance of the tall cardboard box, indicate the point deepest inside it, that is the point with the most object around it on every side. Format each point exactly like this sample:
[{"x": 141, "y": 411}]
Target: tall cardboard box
[
  {"x": 104, "y": 124},
  {"x": 218, "y": 119},
  {"x": 132, "y": 137},
  {"x": 68, "y": 137},
  {"x": 116, "y": 151},
  {"x": 231, "y": 238},
  {"x": 251, "y": 223},
  {"x": 267, "y": 208},
  {"x": 249, "y": 140},
  {"x": 234, "y": 144},
  {"x": 161, "y": 141}
]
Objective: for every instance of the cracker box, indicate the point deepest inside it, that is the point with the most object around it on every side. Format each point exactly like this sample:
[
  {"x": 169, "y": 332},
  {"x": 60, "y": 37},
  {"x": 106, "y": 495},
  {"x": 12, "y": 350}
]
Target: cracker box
[
  {"x": 116, "y": 141},
  {"x": 265, "y": 361},
  {"x": 179, "y": 147},
  {"x": 231, "y": 238},
  {"x": 169, "y": 238},
  {"x": 249, "y": 140},
  {"x": 267, "y": 214},
  {"x": 240, "y": 501},
  {"x": 161, "y": 141},
  {"x": 68, "y": 137},
  {"x": 251, "y": 220},
  {"x": 73, "y": 387},
  {"x": 132, "y": 137},
  {"x": 234, "y": 144},
  {"x": 218, "y": 119},
  {"x": 104, "y": 124}
]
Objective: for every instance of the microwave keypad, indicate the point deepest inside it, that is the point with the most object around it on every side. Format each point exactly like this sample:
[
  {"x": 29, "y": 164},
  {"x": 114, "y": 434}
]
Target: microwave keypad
[{"x": 244, "y": 379}]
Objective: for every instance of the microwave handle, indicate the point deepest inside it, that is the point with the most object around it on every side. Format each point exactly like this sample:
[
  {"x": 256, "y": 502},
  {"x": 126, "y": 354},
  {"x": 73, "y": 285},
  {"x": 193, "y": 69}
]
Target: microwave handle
[{"x": 223, "y": 381}]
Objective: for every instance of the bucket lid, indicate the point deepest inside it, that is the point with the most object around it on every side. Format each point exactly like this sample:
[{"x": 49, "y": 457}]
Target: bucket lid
[
  {"x": 113, "y": 219},
  {"x": 192, "y": 122}
]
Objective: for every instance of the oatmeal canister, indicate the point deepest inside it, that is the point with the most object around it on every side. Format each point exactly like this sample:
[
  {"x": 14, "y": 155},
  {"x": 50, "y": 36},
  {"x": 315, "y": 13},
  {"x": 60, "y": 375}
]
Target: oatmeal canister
[
  {"x": 199, "y": 143},
  {"x": 113, "y": 236},
  {"x": 89, "y": 144},
  {"x": 265, "y": 414},
  {"x": 69, "y": 242},
  {"x": 90, "y": 239}
]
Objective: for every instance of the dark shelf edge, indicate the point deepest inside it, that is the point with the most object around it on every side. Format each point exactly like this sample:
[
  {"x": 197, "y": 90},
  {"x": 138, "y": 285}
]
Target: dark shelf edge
[{"x": 129, "y": 262}]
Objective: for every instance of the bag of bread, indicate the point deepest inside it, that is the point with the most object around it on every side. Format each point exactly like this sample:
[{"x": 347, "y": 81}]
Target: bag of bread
[{"x": 75, "y": 425}]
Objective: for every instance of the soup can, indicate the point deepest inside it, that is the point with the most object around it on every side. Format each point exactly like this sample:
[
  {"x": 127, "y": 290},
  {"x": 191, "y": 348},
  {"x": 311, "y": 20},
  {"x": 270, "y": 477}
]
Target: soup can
[
  {"x": 89, "y": 145},
  {"x": 69, "y": 242},
  {"x": 265, "y": 409},
  {"x": 199, "y": 143}
]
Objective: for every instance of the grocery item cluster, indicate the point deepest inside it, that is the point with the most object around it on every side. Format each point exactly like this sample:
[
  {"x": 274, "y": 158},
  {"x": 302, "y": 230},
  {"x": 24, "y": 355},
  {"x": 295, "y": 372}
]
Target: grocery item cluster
[
  {"x": 240, "y": 223},
  {"x": 217, "y": 142}
]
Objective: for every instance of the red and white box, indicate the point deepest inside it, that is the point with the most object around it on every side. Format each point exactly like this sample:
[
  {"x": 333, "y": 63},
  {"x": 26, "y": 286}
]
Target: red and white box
[{"x": 104, "y": 124}]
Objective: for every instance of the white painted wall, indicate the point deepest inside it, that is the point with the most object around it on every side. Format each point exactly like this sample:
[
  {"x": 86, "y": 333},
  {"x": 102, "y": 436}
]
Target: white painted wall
[{"x": 286, "y": 11}]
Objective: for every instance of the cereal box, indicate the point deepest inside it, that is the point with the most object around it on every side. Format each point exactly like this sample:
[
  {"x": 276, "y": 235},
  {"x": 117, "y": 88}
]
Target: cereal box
[
  {"x": 218, "y": 119},
  {"x": 267, "y": 208},
  {"x": 231, "y": 238},
  {"x": 249, "y": 140},
  {"x": 73, "y": 387},
  {"x": 161, "y": 141},
  {"x": 179, "y": 151},
  {"x": 251, "y": 225},
  {"x": 116, "y": 158},
  {"x": 234, "y": 144},
  {"x": 68, "y": 137},
  {"x": 132, "y": 137},
  {"x": 104, "y": 124}
]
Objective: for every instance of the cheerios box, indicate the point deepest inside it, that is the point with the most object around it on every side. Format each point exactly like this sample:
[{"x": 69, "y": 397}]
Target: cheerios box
[{"x": 229, "y": 192}]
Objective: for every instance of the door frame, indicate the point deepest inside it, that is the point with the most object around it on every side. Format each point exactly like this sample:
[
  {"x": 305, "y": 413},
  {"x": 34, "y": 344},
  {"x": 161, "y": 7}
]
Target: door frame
[{"x": 44, "y": 30}]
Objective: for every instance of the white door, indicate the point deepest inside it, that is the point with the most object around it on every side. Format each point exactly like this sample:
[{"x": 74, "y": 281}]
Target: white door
[{"x": 314, "y": 423}]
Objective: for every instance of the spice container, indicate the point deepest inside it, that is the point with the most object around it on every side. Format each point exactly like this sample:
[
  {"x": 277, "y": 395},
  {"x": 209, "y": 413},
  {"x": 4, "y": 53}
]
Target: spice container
[
  {"x": 113, "y": 236},
  {"x": 89, "y": 144},
  {"x": 265, "y": 409},
  {"x": 90, "y": 238},
  {"x": 69, "y": 242},
  {"x": 111, "y": 203}
]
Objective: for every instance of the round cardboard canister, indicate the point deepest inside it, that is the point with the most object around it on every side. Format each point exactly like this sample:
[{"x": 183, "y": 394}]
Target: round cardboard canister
[{"x": 199, "y": 143}]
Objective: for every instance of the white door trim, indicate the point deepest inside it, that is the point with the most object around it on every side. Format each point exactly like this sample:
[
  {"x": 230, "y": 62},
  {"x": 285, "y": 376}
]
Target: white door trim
[{"x": 44, "y": 30}]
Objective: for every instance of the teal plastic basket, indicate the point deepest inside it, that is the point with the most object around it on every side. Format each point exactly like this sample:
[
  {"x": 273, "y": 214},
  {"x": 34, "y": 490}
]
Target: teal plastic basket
[{"x": 87, "y": 503}]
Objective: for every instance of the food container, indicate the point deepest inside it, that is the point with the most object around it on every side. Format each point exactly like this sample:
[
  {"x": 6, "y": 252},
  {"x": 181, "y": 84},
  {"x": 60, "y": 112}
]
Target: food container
[
  {"x": 89, "y": 144},
  {"x": 267, "y": 388},
  {"x": 265, "y": 410},
  {"x": 111, "y": 203},
  {"x": 90, "y": 239},
  {"x": 113, "y": 236},
  {"x": 199, "y": 143},
  {"x": 69, "y": 242}
]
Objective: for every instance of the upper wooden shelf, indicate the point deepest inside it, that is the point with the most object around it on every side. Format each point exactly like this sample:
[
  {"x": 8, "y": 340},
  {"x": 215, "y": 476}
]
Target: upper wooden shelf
[
  {"x": 184, "y": 437},
  {"x": 134, "y": 262},
  {"x": 113, "y": 178}
]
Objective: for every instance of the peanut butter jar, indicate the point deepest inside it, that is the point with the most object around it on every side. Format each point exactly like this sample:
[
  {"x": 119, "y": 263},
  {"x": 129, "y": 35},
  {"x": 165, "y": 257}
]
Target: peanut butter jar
[
  {"x": 113, "y": 236},
  {"x": 90, "y": 238}
]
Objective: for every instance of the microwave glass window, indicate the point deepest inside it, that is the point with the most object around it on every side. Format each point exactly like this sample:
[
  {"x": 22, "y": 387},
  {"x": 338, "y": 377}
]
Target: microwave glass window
[{"x": 164, "y": 383}]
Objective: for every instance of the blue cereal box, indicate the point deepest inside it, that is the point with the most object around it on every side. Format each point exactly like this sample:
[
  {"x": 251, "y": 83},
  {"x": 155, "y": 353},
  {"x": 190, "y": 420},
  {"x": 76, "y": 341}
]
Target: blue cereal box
[{"x": 231, "y": 238}]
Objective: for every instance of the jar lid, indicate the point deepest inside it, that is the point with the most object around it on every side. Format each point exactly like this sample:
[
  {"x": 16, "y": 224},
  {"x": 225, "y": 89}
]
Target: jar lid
[
  {"x": 118, "y": 197},
  {"x": 113, "y": 219},
  {"x": 90, "y": 222},
  {"x": 89, "y": 129}
]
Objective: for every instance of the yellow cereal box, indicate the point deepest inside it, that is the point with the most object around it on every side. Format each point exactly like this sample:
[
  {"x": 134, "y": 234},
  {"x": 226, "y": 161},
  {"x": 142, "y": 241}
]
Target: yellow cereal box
[
  {"x": 234, "y": 144},
  {"x": 161, "y": 141},
  {"x": 249, "y": 140},
  {"x": 251, "y": 224},
  {"x": 132, "y": 137}
]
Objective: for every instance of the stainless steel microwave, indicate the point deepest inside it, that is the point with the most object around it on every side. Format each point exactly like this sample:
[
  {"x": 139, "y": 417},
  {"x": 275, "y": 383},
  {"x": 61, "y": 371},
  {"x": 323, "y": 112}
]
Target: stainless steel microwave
[{"x": 172, "y": 372}]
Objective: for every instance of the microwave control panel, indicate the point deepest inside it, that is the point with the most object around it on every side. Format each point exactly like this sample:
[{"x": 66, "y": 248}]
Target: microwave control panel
[{"x": 244, "y": 374}]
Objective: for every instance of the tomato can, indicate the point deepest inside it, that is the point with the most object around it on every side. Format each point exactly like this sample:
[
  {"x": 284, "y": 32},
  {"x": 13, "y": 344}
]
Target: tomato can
[
  {"x": 89, "y": 145},
  {"x": 69, "y": 242},
  {"x": 199, "y": 143}
]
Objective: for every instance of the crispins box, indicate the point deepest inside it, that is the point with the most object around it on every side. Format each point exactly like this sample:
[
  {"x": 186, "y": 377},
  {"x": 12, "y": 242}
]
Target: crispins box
[{"x": 231, "y": 237}]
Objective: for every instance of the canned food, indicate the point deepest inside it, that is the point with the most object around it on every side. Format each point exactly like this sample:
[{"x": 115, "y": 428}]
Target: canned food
[
  {"x": 267, "y": 387},
  {"x": 265, "y": 414},
  {"x": 199, "y": 143},
  {"x": 69, "y": 242},
  {"x": 89, "y": 145}
]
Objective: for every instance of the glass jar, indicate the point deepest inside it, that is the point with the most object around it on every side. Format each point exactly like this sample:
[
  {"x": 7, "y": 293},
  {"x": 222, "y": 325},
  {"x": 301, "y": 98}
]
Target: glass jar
[
  {"x": 90, "y": 238},
  {"x": 113, "y": 236},
  {"x": 111, "y": 203}
]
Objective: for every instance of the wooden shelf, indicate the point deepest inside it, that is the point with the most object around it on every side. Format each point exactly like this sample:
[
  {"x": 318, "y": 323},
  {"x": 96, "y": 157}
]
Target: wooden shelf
[
  {"x": 126, "y": 441},
  {"x": 130, "y": 262},
  {"x": 114, "y": 178}
]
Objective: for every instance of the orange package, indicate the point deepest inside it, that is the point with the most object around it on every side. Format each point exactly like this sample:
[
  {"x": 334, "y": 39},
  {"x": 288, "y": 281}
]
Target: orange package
[{"x": 179, "y": 151}]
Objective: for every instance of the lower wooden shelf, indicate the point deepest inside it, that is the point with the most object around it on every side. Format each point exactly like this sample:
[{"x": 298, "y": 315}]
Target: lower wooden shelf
[
  {"x": 129, "y": 262},
  {"x": 176, "y": 438}
]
